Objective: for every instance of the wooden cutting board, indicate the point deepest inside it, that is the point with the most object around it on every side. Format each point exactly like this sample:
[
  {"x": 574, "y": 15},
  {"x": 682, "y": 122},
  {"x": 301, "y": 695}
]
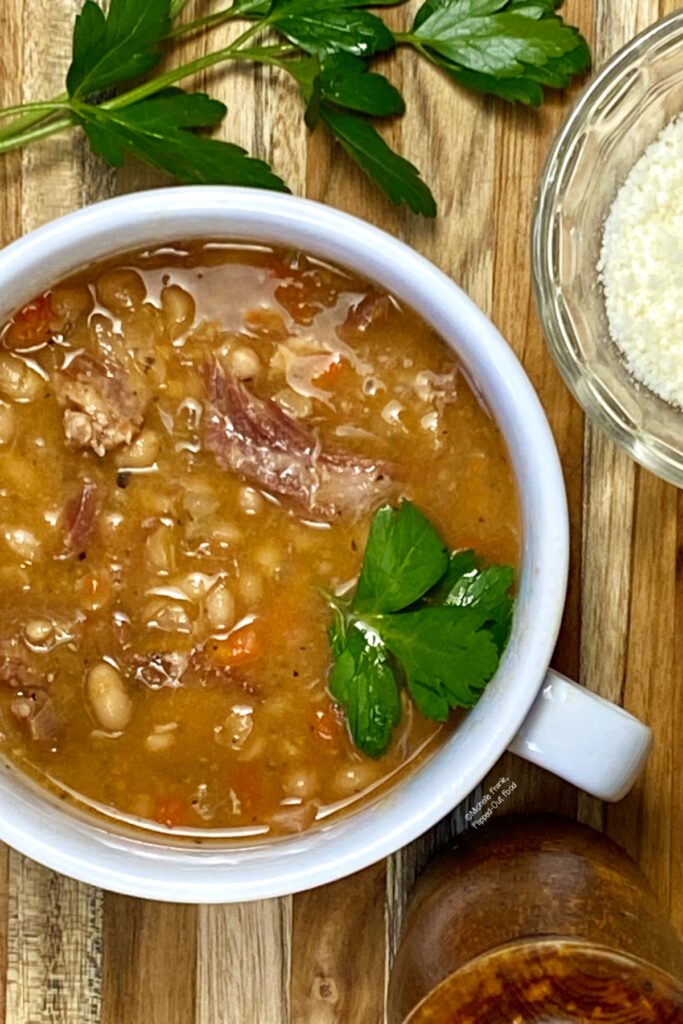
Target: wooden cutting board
[{"x": 74, "y": 955}]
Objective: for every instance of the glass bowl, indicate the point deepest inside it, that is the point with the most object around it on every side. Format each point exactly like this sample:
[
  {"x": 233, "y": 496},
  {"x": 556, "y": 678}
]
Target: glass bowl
[{"x": 620, "y": 113}]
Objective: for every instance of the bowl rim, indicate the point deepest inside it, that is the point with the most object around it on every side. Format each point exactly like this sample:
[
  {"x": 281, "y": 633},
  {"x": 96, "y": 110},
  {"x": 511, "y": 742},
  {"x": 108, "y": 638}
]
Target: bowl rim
[
  {"x": 589, "y": 391},
  {"x": 86, "y": 850}
]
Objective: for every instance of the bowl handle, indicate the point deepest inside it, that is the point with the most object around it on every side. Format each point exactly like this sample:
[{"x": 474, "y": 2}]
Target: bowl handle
[{"x": 583, "y": 738}]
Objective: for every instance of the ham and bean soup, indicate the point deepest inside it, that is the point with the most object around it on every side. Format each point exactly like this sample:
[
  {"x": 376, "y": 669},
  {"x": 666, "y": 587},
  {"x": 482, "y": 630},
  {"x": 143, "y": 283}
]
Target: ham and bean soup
[{"x": 193, "y": 441}]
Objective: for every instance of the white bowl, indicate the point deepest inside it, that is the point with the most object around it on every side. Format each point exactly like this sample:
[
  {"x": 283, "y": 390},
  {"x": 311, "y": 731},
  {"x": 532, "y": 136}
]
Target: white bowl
[{"x": 582, "y": 737}]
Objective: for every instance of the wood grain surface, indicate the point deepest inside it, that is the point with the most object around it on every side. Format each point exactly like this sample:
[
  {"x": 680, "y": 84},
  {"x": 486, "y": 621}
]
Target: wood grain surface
[{"x": 72, "y": 955}]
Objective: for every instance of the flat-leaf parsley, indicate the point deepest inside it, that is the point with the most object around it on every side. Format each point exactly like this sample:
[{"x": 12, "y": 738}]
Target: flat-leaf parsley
[
  {"x": 508, "y": 48},
  {"x": 439, "y": 623}
]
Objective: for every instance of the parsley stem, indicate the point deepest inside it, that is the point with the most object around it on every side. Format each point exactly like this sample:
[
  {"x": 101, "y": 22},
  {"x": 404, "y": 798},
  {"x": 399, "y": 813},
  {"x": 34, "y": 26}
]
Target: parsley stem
[
  {"x": 22, "y": 108},
  {"x": 30, "y": 128},
  {"x": 34, "y": 134},
  {"x": 208, "y": 21},
  {"x": 32, "y": 114},
  {"x": 234, "y": 51}
]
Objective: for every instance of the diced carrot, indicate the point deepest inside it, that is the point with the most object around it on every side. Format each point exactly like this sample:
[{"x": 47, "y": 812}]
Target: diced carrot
[
  {"x": 32, "y": 324},
  {"x": 172, "y": 811},
  {"x": 328, "y": 726},
  {"x": 239, "y": 648}
]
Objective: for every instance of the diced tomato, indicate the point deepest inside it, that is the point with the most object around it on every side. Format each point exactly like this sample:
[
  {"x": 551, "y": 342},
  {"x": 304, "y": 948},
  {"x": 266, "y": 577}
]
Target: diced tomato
[
  {"x": 172, "y": 811},
  {"x": 239, "y": 648},
  {"x": 32, "y": 325}
]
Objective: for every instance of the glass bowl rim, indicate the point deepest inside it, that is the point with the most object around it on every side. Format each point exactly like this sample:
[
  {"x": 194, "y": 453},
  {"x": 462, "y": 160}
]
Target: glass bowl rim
[{"x": 589, "y": 390}]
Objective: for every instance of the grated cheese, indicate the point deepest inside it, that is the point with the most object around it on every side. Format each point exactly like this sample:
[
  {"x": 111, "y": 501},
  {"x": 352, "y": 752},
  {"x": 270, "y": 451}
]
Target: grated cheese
[{"x": 641, "y": 266}]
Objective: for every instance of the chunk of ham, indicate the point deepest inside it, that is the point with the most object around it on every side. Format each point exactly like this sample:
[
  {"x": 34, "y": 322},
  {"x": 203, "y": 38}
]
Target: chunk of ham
[
  {"x": 372, "y": 308},
  {"x": 37, "y": 713},
  {"x": 259, "y": 441},
  {"x": 104, "y": 403},
  {"x": 78, "y": 518},
  {"x": 31, "y": 705},
  {"x": 15, "y": 674}
]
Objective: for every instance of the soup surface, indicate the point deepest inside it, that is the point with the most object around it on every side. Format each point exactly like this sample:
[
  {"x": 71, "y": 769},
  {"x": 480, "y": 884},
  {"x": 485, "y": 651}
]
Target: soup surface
[{"x": 192, "y": 441}]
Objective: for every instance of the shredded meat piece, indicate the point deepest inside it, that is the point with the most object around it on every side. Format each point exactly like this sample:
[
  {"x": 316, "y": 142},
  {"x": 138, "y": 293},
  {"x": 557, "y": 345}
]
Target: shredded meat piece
[
  {"x": 258, "y": 440},
  {"x": 15, "y": 672},
  {"x": 36, "y": 711},
  {"x": 104, "y": 404},
  {"x": 294, "y": 818},
  {"x": 78, "y": 518},
  {"x": 373, "y": 307}
]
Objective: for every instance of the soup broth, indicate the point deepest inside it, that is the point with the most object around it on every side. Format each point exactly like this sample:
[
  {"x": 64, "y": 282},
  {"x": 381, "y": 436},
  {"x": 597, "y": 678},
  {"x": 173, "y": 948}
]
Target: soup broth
[{"x": 192, "y": 442}]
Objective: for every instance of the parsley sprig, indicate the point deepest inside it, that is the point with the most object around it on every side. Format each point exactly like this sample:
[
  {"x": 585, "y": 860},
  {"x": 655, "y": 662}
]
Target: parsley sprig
[
  {"x": 436, "y": 621},
  {"x": 509, "y": 48}
]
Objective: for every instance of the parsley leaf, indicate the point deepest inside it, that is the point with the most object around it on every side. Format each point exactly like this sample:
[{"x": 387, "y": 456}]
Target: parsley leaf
[
  {"x": 344, "y": 81},
  {"x": 156, "y": 130},
  {"x": 404, "y": 557},
  {"x": 252, "y": 8},
  {"x": 327, "y": 26},
  {"x": 347, "y": 82},
  {"x": 177, "y": 7},
  {"x": 447, "y": 656},
  {"x": 439, "y": 623},
  {"x": 508, "y": 48},
  {"x": 364, "y": 682},
  {"x": 487, "y": 589},
  {"x": 496, "y": 44},
  {"x": 113, "y": 48},
  {"x": 395, "y": 175}
]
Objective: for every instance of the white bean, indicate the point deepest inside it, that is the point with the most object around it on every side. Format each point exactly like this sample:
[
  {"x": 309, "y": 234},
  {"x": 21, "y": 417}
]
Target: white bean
[
  {"x": 250, "y": 501},
  {"x": 200, "y": 499},
  {"x": 38, "y": 631},
  {"x": 141, "y": 452},
  {"x": 301, "y": 783},
  {"x": 269, "y": 557},
  {"x": 220, "y": 607},
  {"x": 23, "y": 543},
  {"x": 196, "y": 585},
  {"x": 108, "y": 697},
  {"x": 293, "y": 403},
  {"x": 251, "y": 586},
  {"x": 226, "y": 533},
  {"x": 160, "y": 741},
  {"x": 177, "y": 309},
  {"x": 17, "y": 380},
  {"x": 244, "y": 362},
  {"x": 7, "y": 423},
  {"x": 70, "y": 301},
  {"x": 160, "y": 551},
  {"x": 355, "y": 778},
  {"x": 121, "y": 289},
  {"x": 143, "y": 328}
]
